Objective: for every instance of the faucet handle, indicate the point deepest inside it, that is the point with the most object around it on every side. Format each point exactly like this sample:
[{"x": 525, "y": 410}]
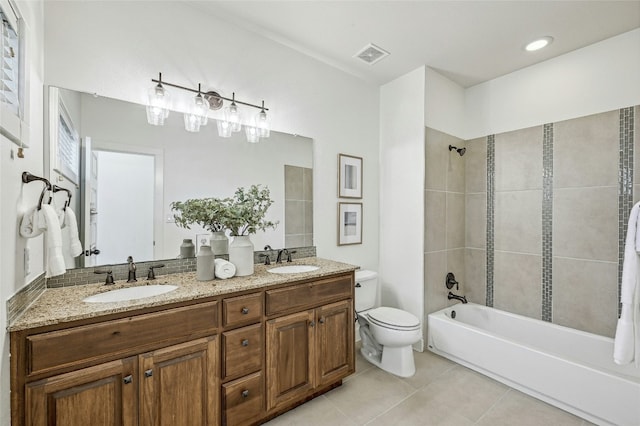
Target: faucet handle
[
  {"x": 109, "y": 279},
  {"x": 152, "y": 275},
  {"x": 450, "y": 281},
  {"x": 289, "y": 253},
  {"x": 267, "y": 259}
]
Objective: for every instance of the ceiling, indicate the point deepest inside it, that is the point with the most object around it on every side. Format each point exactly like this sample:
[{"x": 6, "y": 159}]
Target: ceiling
[{"x": 468, "y": 41}]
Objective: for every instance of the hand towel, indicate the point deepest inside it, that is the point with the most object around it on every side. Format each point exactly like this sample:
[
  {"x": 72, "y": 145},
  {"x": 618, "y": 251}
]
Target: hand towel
[
  {"x": 626, "y": 346},
  {"x": 29, "y": 226},
  {"x": 49, "y": 223},
  {"x": 71, "y": 246},
  {"x": 224, "y": 269}
]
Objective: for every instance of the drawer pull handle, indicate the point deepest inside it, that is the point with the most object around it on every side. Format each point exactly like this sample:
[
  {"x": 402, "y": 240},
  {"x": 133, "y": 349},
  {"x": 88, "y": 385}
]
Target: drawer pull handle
[
  {"x": 245, "y": 342},
  {"x": 245, "y": 393},
  {"x": 245, "y": 311},
  {"x": 148, "y": 373},
  {"x": 127, "y": 379}
]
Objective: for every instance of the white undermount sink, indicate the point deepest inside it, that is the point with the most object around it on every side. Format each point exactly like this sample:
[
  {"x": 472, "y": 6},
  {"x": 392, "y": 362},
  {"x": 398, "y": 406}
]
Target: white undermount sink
[
  {"x": 293, "y": 269},
  {"x": 130, "y": 293}
]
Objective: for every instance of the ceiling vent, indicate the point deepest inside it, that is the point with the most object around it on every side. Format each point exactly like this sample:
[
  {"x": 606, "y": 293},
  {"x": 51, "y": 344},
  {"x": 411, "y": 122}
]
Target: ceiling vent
[{"x": 371, "y": 54}]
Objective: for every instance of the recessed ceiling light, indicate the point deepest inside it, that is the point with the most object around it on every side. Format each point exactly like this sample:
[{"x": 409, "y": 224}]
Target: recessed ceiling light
[{"x": 539, "y": 43}]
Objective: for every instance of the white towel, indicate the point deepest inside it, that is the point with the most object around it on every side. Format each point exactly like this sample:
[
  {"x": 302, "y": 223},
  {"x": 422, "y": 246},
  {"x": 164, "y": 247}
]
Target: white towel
[
  {"x": 48, "y": 222},
  {"x": 626, "y": 346},
  {"x": 71, "y": 246},
  {"x": 224, "y": 269},
  {"x": 29, "y": 226}
]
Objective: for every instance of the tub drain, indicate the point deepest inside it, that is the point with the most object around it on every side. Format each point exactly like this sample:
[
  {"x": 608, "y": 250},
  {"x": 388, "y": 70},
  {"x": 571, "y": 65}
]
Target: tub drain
[{"x": 453, "y": 314}]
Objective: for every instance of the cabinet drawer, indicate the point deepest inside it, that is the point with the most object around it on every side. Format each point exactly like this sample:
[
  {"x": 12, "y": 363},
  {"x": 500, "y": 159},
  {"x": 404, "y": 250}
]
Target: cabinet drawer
[
  {"x": 242, "y": 310},
  {"x": 305, "y": 295},
  {"x": 243, "y": 400},
  {"x": 242, "y": 351},
  {"x": 119, "y": 337}
]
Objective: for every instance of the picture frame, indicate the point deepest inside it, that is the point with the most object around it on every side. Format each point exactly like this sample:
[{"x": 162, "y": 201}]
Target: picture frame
[
  {"x": 349, "y": 176},
  {"x": 349, "y": 223}
]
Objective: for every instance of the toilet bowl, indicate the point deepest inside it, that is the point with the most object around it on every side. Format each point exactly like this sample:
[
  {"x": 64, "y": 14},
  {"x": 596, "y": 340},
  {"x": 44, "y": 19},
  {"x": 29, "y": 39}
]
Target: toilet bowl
[{"x": 387, "y": 333}]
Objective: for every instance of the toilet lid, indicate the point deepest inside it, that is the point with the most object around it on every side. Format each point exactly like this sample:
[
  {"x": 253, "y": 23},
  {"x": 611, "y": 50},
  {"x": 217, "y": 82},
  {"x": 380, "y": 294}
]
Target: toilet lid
[{"x": 392, "y": 317}]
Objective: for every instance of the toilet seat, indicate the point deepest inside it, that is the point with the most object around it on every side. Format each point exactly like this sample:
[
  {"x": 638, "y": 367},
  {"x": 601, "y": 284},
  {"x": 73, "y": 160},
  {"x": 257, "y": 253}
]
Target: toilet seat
[{"x": 394, "y": 319}]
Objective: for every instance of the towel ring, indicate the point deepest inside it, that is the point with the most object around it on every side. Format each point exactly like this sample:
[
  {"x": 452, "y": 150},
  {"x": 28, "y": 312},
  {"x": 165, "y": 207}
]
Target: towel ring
[{"x": 28, "y": 178}]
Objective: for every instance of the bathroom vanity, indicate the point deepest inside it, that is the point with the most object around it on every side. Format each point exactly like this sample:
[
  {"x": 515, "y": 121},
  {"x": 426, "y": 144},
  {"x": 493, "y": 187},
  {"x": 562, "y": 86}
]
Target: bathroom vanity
[{"x": 230, "y": 352}]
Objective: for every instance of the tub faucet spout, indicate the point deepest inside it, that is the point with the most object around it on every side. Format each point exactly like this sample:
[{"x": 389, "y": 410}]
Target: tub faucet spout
[{"x": 463, "y": 299}]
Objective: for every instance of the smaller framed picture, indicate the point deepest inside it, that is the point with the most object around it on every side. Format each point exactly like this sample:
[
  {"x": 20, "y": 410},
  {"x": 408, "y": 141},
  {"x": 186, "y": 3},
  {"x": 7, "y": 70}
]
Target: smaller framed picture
[
  {"x": 349, "y": 176},
  {"x": 202, "y": 240},
  {"x": 349, "y": 223}
]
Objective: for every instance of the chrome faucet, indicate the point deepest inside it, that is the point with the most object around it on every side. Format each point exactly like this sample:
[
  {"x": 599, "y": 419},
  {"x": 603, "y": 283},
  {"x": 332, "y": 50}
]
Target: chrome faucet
[{"x": 450, "y": 296}]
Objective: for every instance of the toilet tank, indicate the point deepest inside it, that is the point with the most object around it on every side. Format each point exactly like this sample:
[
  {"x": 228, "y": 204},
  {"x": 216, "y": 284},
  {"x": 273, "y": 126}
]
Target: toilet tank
[{"x": 366, "y": 290}]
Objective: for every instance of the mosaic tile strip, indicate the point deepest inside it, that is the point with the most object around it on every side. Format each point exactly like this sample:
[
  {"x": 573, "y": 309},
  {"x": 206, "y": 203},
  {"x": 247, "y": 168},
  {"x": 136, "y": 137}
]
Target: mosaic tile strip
[
  {"x": 547, "y": 222},
  {"x": 491, "y": 189},
  {"x": 20, "y": 301},
  {"x": 625, "y": 184}
]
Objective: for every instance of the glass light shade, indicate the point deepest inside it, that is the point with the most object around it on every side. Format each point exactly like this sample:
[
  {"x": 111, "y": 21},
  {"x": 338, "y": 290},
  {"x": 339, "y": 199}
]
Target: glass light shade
[
  {"x": 253, "y": 134},
  {"x": 224, "y": 128},
  {"x": 232, "y": 116},
  {"x": 158, "y": 107},
  {"x": 263, "y": 125},
  {"x": 192, "y": 122}
]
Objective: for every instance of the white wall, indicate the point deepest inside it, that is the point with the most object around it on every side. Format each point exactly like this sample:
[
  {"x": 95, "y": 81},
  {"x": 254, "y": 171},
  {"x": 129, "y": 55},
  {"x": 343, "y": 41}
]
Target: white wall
[
  {"x": 402, "y": 112},
  {"x": 444, "y": 104},
  {"x": 115, "y": 48},
  {"x": 601, "y": 77},
  {"x": 17, "y": 197}
]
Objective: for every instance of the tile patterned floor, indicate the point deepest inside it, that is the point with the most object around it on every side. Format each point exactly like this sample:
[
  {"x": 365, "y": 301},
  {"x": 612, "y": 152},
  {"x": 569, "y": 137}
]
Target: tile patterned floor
[{"x": 440, "y": 393}]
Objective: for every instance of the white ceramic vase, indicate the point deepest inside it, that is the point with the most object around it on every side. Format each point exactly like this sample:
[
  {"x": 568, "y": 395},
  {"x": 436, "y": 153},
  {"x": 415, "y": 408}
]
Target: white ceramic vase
[
  {"x": 219, "y": 243},
  {"x": 241, "y": 255},
  {"x": 205, "y": 265}
]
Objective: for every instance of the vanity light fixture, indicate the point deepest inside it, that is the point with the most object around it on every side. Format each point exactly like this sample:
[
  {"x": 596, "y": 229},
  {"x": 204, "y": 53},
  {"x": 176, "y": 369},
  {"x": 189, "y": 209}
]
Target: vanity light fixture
[
  {"x": 538, "y": 43},
  {"x": 158, "y": 111}
]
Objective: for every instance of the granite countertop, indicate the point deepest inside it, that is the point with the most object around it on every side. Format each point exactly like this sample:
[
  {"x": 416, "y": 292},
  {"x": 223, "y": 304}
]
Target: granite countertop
[{"x": 59, "y": 305}]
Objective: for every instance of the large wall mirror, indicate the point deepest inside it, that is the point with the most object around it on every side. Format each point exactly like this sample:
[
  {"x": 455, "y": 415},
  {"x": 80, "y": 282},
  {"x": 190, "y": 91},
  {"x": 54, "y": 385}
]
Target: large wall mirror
[{"x": 124, "y": 173}]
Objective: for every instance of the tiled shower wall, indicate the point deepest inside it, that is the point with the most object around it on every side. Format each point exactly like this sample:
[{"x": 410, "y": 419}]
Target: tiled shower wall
[
  {"x": 444, "y": 217},
  {"x": 546, "y": 212},
  {"x": 298, "y": 213}
]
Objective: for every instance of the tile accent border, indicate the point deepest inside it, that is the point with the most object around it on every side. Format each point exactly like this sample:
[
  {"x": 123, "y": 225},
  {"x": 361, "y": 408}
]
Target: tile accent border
[
  {"x": 625, "y": 185},
  {"x": 491, "y": 189},
  {"x": 20, "y": 301},
  {"x": 547, "y": 222}
]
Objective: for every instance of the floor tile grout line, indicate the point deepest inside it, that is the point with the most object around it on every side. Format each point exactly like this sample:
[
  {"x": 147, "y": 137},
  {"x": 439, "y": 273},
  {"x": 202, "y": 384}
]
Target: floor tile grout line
[{"x": 498, "y": 401}]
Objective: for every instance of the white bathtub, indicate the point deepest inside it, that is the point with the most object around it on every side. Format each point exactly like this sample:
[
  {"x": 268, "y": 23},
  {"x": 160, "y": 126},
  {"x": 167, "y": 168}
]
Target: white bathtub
[{"x": 568, "y": 368}]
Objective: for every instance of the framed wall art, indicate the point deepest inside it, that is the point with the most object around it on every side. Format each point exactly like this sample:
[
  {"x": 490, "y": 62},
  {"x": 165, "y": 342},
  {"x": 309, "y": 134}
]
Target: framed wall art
[
  {"x": 349, "y": 176},
  {"x": 349, "y": 223}
]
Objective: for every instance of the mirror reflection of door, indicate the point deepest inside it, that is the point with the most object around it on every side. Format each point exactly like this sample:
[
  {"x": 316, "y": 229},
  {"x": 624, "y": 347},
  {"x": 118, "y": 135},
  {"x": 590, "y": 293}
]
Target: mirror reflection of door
[
  {"x": 89, "y": 202},
  {"x": 125, "y": 197}
]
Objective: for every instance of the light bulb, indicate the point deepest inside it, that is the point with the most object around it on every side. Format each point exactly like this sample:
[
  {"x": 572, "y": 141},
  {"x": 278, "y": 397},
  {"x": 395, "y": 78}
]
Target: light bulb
[
  {"x": 224, "y": 128},
  {"x": 252, "y": 134},
  {"x": 263, "y": 125},
  {"x": 158, "y": 107}
]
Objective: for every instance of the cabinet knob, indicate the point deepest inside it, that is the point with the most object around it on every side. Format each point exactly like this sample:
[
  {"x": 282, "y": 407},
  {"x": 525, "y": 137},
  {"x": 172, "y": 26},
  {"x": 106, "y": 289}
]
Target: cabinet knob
[
  {"x": 321, "y": 320},
  {"x": 127, "y": 379},
  {"x": 148, "y": 373},
  {"x": 312, "y": 324},
  {"x": 245, "y": 311},
  {"x": 245, "y": 393},
  {"x": 245, "y": 342}
]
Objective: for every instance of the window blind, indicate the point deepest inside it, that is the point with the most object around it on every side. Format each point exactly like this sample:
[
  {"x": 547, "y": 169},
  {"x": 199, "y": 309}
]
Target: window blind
[
  {"x": 68, "y": 147},
  {"x": 9, "y": 65}
]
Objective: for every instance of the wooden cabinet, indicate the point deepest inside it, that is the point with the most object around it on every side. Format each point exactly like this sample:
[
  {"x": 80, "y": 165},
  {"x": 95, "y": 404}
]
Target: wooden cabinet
[
  {"x": 236, "y": 359},
  {"x": 179, "y": 384},
  {"x": 106, "y": 394},
  {"x": 307, "y": 351}
]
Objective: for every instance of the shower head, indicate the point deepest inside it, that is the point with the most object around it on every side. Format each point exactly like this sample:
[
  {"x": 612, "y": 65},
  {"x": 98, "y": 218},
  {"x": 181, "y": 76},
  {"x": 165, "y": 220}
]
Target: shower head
[{"x": 460, "y": 151}]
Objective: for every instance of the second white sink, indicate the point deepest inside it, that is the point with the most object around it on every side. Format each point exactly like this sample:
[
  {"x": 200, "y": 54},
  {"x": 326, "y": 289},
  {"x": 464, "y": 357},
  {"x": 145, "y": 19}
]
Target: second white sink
[
  {"x": 293, "y": 269},
  {"x": 130, "y": 293}
]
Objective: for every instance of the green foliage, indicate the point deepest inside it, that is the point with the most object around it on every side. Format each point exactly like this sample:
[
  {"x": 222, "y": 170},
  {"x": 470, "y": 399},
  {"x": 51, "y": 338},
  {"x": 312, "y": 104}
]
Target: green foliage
[{"x": 241, "y": 215}]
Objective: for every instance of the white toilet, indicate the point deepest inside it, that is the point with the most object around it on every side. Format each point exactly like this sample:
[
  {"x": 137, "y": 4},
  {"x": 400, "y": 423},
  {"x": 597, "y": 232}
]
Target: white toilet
[{"x": 387, "y": 333}]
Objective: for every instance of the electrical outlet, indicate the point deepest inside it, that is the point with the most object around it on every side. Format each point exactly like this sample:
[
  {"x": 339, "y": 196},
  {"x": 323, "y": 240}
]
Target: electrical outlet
[
  {"x": 170, "y": 219},
  {"x": 27, "y": 263}
]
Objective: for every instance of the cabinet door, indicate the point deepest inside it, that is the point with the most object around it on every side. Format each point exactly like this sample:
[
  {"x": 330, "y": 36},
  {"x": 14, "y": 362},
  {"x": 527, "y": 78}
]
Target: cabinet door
[
  {"x": 290, "y": 357},
  {"x": 179, "y": 384},
  {"x": 334, "y": 337},
  {"x": 106, "y": 394}
]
